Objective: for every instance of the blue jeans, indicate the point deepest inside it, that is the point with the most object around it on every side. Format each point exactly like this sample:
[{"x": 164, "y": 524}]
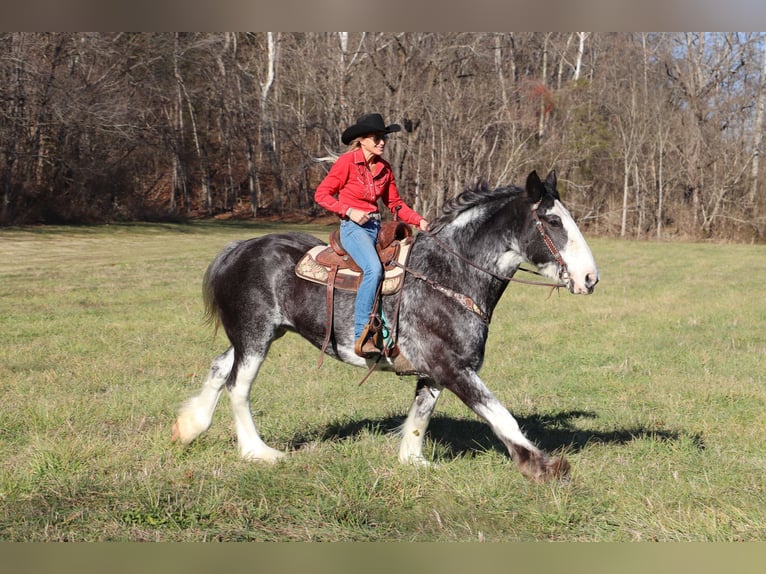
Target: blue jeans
[{"x": 359, "y": 242}]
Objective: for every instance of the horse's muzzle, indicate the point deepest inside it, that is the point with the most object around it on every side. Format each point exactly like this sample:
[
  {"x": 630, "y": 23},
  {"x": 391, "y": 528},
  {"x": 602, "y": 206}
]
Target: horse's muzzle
[
  {"x": 584, "y": 286},
  {"x": 590, "y": 281}
]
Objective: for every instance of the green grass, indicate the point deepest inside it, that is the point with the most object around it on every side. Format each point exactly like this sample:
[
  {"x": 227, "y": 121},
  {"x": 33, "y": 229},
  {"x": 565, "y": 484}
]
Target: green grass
[{"x": 653, "y": 387}]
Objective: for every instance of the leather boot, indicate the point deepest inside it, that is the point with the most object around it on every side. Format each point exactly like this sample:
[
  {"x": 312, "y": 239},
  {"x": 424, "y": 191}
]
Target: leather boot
[{"x": 365, "y": 347}]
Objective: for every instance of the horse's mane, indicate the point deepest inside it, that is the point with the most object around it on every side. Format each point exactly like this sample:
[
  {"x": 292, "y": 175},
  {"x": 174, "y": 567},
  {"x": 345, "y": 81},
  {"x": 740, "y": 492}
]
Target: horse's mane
[{"x": 470, "y": 198}]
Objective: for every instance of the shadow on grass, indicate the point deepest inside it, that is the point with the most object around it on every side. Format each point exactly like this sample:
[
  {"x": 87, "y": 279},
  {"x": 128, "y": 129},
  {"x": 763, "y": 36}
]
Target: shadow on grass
[{"x": 464, "y": 437}]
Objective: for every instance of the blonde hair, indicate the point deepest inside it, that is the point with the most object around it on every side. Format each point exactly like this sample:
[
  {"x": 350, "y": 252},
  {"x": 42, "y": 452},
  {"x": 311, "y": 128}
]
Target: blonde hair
[
  {"x": 355, "y": 143},
  {"x": 333, "y": 156}
]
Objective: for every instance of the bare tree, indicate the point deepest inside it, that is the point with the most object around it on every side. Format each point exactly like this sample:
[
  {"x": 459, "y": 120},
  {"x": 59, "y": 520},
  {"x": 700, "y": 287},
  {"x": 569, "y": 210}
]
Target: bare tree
[
  {"x": 12, "y": 90},
  {"x": 650, "y": 133},
  {"x": 758, "y": 129}
]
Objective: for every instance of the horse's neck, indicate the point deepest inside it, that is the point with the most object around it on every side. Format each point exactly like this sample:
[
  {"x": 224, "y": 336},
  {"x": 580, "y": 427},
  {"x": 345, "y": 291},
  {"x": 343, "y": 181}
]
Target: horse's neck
[{"x": 460, "y": 268}]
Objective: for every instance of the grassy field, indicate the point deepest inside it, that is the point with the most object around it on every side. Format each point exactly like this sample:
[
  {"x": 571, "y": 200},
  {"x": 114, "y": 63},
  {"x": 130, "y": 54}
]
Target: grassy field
[{"x": 653, "y": 387}]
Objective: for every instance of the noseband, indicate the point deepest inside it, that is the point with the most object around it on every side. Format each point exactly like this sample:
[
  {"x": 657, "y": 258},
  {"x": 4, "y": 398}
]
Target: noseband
[{"x": 563, "y": 273}]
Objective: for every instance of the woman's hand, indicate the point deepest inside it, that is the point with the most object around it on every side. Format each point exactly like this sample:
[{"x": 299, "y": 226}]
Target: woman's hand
[
  {"x": 423, "y": 225},
  {"x": 358, "y": 216}
]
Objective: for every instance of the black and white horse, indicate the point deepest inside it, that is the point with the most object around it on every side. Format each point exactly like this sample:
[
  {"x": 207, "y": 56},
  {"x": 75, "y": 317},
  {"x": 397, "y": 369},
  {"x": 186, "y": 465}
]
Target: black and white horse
[{"x": 456, "y": 274}]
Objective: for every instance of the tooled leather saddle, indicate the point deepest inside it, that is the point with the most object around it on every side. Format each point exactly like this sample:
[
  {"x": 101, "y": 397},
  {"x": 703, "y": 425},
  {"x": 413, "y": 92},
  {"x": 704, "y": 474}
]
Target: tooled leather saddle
[{"x": 332, "y": 266}]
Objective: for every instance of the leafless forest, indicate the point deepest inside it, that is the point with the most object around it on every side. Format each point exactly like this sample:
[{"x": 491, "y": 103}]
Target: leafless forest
[{"x": 652, "y": 135}]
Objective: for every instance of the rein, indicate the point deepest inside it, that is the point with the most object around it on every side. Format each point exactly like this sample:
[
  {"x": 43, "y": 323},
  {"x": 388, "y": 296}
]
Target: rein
[
  {"x": 467, "y": 301},
  {"x": 463, "y": 299},
  {"x": 548, "y": 242}
]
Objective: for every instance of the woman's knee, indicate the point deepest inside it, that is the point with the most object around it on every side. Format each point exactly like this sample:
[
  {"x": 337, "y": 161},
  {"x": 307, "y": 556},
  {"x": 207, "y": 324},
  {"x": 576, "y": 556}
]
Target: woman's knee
[{"x": 373, "y": 270}]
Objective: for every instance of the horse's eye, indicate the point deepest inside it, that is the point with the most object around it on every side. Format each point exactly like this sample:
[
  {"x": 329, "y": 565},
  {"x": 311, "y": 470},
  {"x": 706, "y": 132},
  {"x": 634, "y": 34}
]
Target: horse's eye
[{"x": 553, "y": 220}]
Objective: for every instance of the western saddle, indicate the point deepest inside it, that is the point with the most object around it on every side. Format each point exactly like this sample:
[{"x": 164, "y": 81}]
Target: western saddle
[{"x": 332, "y": 266}]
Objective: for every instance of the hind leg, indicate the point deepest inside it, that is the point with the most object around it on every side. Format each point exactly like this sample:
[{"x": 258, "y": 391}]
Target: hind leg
[
  {"x": 251, "y": 446},
  {"x": 414, "y": 428},
  {"x": 196, "y": 414}
]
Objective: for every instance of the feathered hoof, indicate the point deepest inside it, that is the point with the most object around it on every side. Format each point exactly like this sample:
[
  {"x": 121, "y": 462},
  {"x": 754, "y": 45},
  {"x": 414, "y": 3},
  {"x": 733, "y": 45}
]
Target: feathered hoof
[
  {"x": 175, "y": 434},
  {"x": 537, "y": 466},
  {"x": 180, "y": 434},
  {"x": 558, "y": 468},
  {"x": 418, "y": 461},
  {"x": 266, "y": 455}
]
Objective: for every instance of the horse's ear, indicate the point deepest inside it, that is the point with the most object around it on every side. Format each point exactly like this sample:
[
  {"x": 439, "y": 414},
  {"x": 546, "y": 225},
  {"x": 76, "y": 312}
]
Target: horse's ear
[
  {"x": 535, "y": 189},
  {"x": 550, "y": 184},
  {"x": 551, "y": 179}
]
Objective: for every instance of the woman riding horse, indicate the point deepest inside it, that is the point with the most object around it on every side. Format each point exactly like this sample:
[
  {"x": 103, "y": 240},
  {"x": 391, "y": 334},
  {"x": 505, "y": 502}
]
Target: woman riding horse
[
  {"x": 351, "y": 190},
  {"x": 456, "y": 274}
]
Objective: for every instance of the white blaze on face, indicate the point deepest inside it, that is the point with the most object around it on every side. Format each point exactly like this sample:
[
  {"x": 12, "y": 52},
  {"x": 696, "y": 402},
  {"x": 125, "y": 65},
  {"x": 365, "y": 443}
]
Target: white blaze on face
[{"x": 576, "y": 254}]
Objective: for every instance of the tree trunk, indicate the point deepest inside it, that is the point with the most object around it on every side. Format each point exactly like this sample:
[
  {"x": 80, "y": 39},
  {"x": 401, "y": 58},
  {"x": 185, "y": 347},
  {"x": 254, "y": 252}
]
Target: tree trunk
[
  {"x": 207, "y": 201},
  {"x": 758, "y": 130},
  {"x": 15, "y": 115},
  {"x": 255, "y": 198},
  {"x": 625, "y": 195},
  {"x": 179, "y": 178},
  {"x": 268, "y": 143},
  {"x": 581, "y": 36},
  {"x": 500, "y": 75},
  {"x": 544, "y": 80}
]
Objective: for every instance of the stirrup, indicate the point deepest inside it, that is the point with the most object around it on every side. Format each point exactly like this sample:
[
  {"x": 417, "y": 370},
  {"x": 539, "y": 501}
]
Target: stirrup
[
  {"x": 370, "y": 342},
  {"x": 365, "y": 347}
]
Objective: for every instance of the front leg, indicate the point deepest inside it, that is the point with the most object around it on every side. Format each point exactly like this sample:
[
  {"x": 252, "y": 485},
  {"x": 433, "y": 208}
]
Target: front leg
[
  {"x": 414, "y": 428},
  {"x": 530, "y": 460}
]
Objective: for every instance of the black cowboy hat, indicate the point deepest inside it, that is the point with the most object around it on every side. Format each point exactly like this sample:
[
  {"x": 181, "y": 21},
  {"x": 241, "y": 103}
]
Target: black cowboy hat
[{"x": 368, "y": 124}]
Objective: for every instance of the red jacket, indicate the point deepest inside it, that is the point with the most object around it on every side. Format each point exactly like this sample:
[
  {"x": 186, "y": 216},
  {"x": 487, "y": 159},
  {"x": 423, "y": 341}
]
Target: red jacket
[{"x": 350, "y": 184}]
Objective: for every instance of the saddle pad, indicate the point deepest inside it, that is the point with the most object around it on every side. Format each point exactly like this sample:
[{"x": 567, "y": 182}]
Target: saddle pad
[{"x": 347, "y": 280}]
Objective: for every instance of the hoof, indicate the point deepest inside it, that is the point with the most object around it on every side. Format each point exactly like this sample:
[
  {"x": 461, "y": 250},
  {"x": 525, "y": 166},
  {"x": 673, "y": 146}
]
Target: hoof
[
  {"x": 185, "y": 430},
  {"x": 418, "y": 461},
  {"x": 559, "y": 468},
  {"x": 537, "y": 466},
  {"x": 175, "y": 433},
  {"x": 266, "y": 455}
]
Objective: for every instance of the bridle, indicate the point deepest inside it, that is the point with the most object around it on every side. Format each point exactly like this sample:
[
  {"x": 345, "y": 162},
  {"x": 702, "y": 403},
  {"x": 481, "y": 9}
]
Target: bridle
[
  {"x": 563, "y": 269},
  {"x": 467, "y": 301},
  {"x": 463, "y": 299},
  {"x": 563, "y": 273}
]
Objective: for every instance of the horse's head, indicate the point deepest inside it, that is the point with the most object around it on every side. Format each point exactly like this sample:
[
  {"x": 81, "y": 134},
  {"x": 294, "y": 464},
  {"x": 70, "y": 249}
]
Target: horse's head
[{"x": 554, "y": 243}]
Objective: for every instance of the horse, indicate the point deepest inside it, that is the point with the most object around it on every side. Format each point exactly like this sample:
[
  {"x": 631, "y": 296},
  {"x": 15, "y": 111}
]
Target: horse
[{"x": 455, "y": 276}]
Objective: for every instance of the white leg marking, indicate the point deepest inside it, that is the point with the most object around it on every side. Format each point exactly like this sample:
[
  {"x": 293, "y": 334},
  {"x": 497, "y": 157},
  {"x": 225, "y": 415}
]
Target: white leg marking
[
  {"x": 196, "y": 414},
  {"x": 503, "y": 424},
  {"x": 251, "y": 446},
  {"x": 413, "y": 434},
  {"x": 414, "y": 428},
  {"x": 500, "y": 419}
]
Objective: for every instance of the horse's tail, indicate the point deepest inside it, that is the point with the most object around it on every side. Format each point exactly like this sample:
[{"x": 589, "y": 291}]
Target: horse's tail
[{"x": 210, "y": 303}]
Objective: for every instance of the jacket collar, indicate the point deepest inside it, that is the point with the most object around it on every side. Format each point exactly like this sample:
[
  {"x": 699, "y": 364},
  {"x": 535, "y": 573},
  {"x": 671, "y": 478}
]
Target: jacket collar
[{"x": 376, "y": 167}]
